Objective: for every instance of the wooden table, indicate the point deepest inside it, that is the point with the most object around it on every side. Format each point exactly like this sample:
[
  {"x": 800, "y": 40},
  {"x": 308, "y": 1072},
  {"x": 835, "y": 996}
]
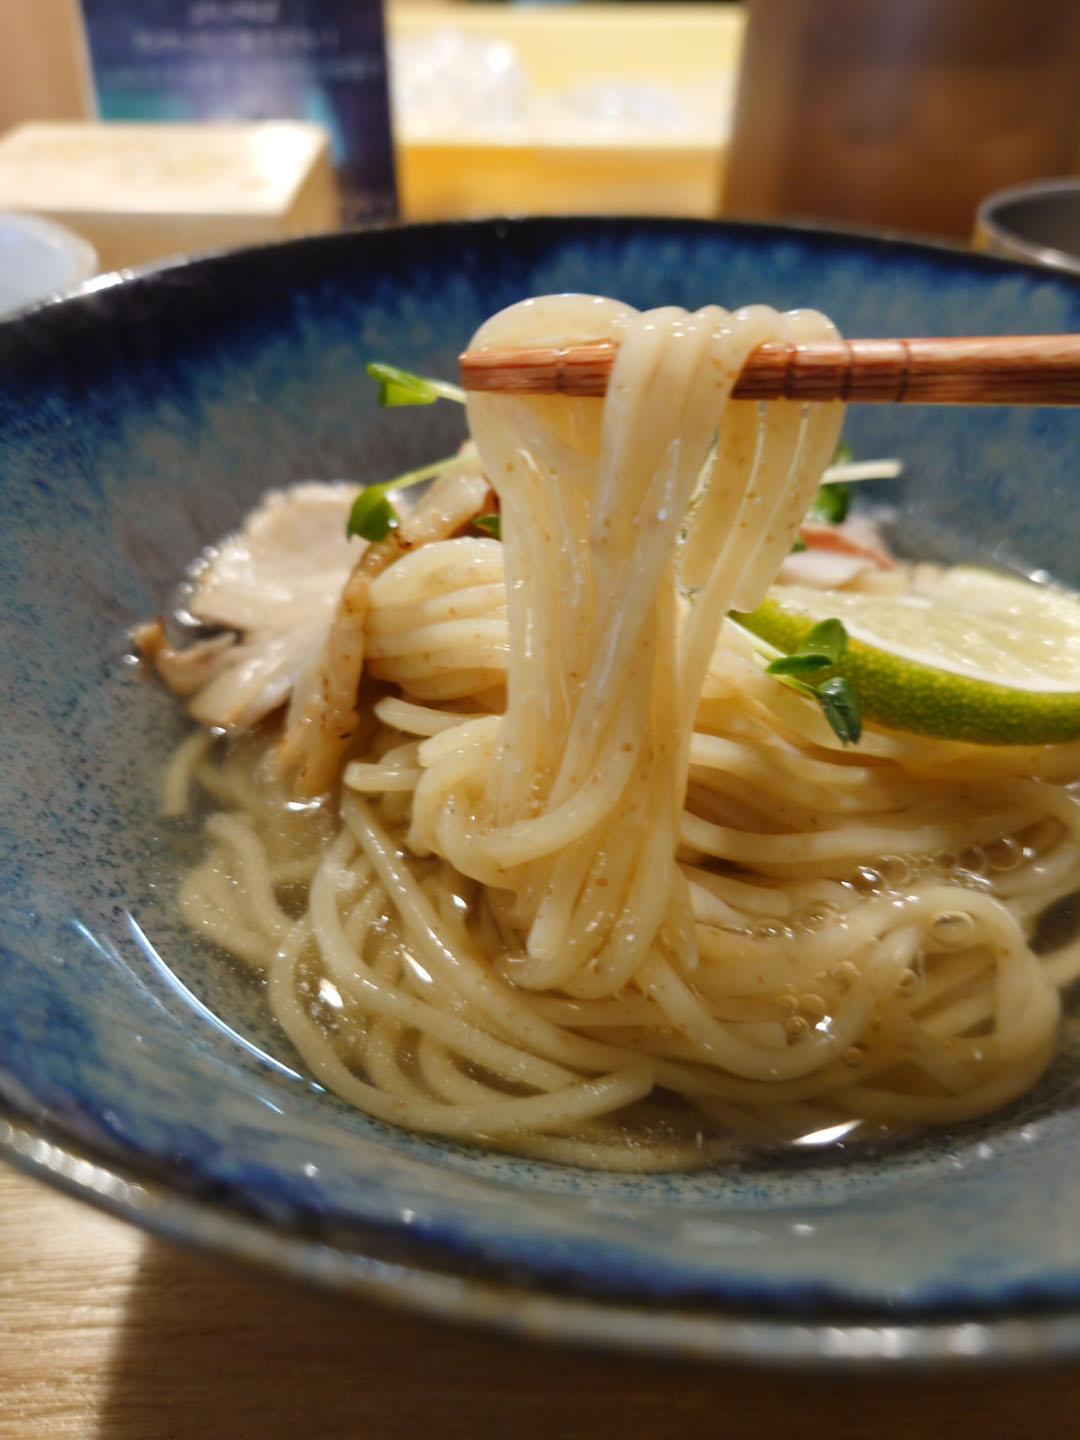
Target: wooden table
[{"x": 109, "y": 1335}]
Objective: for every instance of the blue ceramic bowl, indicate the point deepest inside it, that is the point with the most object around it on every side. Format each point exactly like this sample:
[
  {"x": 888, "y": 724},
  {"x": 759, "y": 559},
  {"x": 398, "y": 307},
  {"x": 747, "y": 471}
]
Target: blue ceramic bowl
[{"x": 138, "y": 422}]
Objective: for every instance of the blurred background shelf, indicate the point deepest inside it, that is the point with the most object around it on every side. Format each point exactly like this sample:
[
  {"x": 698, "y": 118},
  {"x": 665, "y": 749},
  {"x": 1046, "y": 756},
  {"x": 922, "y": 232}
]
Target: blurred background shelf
[
  {"x": 597, "y": 108},
  {"x": 618, "y": 108}
]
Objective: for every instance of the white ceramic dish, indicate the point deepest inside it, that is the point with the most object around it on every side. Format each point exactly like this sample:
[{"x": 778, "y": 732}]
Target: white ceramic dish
[{"x": 39, "y": 258}]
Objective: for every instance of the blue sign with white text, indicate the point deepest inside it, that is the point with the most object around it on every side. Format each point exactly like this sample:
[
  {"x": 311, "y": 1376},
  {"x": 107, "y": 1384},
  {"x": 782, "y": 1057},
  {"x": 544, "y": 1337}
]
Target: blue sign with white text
[{"x": 319, "y": 60}]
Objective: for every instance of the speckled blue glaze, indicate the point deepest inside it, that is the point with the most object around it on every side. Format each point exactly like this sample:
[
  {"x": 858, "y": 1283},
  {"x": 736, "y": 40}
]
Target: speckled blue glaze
[{"x": 137, "y": 423}]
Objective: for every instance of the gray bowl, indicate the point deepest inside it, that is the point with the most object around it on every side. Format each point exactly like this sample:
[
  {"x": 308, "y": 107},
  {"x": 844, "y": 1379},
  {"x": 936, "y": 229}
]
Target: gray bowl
[{"x": 1039, "y": 223}]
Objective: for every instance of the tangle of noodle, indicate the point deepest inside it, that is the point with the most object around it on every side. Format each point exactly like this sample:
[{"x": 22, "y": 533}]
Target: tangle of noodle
[{"x": 587, "y": 856}]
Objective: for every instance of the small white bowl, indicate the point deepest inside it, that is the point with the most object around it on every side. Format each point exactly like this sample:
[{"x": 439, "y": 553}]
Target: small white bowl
[{"x": 38, "y": 258}]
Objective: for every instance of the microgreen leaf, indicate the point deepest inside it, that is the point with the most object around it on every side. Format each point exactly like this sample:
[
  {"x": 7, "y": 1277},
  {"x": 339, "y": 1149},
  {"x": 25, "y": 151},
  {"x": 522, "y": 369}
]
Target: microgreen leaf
[
  {"x": 821, "y": 648},
  {"x": 827, "y": 637},
  {"x": 840, "y": 706},
  {"x": 831, "y": 503},
  {"x": 843, "y": 454},
  {"x": 490, "y": 524},
  {"x": 400, "y": 387},
  {"x": 798, "y": 664},
  {"x": 797, "y": 544},
  {"x": 372, "y": 517}
]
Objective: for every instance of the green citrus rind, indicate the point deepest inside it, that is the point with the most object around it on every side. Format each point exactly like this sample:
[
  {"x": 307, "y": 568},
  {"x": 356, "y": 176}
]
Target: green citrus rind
[{"x": 903, "y": 694}]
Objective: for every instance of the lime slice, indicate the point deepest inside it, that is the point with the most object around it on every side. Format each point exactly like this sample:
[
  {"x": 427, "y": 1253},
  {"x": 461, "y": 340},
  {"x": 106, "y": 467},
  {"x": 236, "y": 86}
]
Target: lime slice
[{"x": 964, "y": 654}]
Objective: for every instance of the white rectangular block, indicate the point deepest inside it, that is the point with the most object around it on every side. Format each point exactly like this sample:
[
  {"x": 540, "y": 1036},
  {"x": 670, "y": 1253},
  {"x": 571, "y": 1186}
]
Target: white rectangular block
[{"x": 141, "y": 192}]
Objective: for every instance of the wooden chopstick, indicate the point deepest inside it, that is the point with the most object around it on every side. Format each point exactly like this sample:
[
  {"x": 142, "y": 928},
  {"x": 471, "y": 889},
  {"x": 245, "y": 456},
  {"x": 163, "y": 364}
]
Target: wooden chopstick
[{"x": 978, "y": 370}]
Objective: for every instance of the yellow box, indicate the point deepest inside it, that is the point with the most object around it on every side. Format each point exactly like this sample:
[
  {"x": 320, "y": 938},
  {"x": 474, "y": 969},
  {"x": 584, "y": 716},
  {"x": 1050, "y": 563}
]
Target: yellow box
[
  {"x": 141, "y": 192},
  {"x": 677, "y": 45}
]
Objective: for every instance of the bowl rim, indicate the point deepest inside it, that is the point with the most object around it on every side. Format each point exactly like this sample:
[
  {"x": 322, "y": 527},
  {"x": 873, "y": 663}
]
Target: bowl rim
[
  {"x": 876, "y": 1342},
  {"x": 882, "y": 236},
  {"x": 140, "y": 1194}
]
